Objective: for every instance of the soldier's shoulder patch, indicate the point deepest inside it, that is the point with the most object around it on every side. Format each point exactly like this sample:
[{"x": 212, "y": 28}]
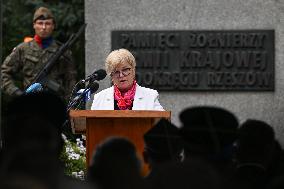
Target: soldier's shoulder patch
[
  {"x": 22, "y": 45},
  {"x": 17, "y": 47}
]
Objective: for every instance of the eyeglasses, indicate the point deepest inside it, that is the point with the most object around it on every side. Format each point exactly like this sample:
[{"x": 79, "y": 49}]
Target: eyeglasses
[{"x": 124, "y": 72}]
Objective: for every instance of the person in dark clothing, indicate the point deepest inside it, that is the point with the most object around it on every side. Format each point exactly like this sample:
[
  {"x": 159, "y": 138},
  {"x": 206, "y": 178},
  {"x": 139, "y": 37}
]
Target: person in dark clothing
[
  {"x": 193, "y": 173},
  {"x": 115, "y": 165},
  {"x": 33, "y": 143},
  {"x": 162, "y": 144},
  {"x": 209, "y": 133},
  {"x": 257, "y": 154}
]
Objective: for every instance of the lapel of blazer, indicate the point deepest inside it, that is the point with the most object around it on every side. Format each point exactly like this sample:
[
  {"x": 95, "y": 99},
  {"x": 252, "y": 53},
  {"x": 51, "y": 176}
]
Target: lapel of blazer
[
  {"x": 138, "y": 98},
  {"x": 110, "y": 98}
]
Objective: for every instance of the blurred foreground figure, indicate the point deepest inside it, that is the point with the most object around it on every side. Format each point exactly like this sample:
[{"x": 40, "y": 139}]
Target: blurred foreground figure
[
  {"x": 209, "y": 133},
  {"x": 33, "y": 143},
  {"x": 191, "y": 174},
  {"x": 259, "y": 157},
  {"x": 162, "y": 144},
  {"x": 115, "y": 165}
]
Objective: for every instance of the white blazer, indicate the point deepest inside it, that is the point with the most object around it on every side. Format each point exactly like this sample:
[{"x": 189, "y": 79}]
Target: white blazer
[{"x": 144, "y": 99}]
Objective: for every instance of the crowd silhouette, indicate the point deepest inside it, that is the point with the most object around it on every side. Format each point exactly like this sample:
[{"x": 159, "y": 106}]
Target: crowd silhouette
[
  {"x": 33, "y": 141},
  {"x": 211, "y": 149}
]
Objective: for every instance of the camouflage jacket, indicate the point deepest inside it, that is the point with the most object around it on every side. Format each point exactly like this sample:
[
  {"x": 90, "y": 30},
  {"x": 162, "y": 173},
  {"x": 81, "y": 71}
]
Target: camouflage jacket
[{"x": 27, "y": 59}]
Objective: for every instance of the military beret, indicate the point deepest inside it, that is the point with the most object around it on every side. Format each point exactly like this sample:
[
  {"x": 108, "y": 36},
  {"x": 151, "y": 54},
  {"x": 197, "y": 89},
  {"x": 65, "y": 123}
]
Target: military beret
[
  {"x": 163, "y": 140},
  {"x": 43, "y": 13},
  {"x": 208, "y": 126}
]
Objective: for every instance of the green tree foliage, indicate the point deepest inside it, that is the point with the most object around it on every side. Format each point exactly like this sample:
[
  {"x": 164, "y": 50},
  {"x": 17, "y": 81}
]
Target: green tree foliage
[{"x": 17, "y": 24}]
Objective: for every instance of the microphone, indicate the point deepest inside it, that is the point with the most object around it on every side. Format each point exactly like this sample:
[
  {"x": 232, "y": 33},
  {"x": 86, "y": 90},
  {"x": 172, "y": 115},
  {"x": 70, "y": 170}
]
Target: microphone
[
  {"x": 97, "y": 75},
  {"x": 36, "y": 87},
  {"x": 85, "y": 94}
]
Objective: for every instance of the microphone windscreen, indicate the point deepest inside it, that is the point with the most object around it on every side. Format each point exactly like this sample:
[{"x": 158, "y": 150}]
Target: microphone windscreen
[
  {"x": 101, "y": 74},
  {"x": 94, "y": 86}
]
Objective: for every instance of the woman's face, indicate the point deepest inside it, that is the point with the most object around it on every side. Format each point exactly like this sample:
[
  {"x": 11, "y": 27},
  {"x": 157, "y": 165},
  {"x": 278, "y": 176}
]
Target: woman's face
[{"x": 123, "y": 77}]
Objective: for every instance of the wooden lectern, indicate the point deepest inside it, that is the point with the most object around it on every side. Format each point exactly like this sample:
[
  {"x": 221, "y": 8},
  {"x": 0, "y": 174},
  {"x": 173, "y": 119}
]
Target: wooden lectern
[{"x": 98, "y": 125}]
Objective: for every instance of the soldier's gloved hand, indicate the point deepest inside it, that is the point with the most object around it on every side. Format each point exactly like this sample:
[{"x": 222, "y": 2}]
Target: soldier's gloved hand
[{"x": 18, "y": 92}]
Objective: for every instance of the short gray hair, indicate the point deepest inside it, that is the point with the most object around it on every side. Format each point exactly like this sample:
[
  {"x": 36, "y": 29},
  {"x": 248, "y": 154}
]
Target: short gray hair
[{"x": 117, "y": 57}]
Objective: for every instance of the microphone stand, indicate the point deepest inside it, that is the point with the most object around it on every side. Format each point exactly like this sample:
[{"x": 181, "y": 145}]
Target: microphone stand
[
  {"x": 77, "y": 99},
  {"x": 90, "y": 89},
  {"x": 75, "y": 103}
]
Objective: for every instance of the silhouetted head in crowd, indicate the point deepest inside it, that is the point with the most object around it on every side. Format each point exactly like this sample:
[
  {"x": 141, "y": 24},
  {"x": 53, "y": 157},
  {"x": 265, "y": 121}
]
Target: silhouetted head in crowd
[
  {"x": 191, "y": 174},
  {"x": 35, "y": 117},
  {"x": 32, "y": 138},
  {"x": 257, "y": 152},
  {"x": 115, "y": 165},
  {"x": 22, "y": 182},
  {"x": 162, "y": 143},
  {"x": 256, "y": 139},
  {"x": 276, "y": 182},
  {"x": 208, "y": 132}
]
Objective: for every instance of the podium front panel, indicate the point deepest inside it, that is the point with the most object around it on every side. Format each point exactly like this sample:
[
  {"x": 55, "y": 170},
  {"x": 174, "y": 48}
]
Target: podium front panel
[
  {"x": 100, "y": 129},
  {"x": 102, "y": 124}
]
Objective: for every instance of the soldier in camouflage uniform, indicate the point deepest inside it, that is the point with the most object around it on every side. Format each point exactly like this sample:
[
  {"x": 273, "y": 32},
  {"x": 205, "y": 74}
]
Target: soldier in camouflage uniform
[{"x": 28, "y": 58}]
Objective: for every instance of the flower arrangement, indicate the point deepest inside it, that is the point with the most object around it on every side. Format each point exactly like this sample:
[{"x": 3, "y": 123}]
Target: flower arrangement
[{"x": 74, "y": 157}]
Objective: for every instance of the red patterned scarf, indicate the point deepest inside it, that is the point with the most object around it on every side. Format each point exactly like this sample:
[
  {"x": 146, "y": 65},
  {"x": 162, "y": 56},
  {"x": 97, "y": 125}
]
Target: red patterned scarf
[
  {"x": 125, "y": 102},
  {"x": 43, "y": 43}
]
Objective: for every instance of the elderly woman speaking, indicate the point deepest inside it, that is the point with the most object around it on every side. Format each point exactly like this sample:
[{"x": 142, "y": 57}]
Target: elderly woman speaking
[{"x": 125, "y": 94}]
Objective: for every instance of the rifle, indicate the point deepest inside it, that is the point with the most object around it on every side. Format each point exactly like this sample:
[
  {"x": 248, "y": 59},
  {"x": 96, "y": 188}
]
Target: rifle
[{"x": 41, "y": 77}]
